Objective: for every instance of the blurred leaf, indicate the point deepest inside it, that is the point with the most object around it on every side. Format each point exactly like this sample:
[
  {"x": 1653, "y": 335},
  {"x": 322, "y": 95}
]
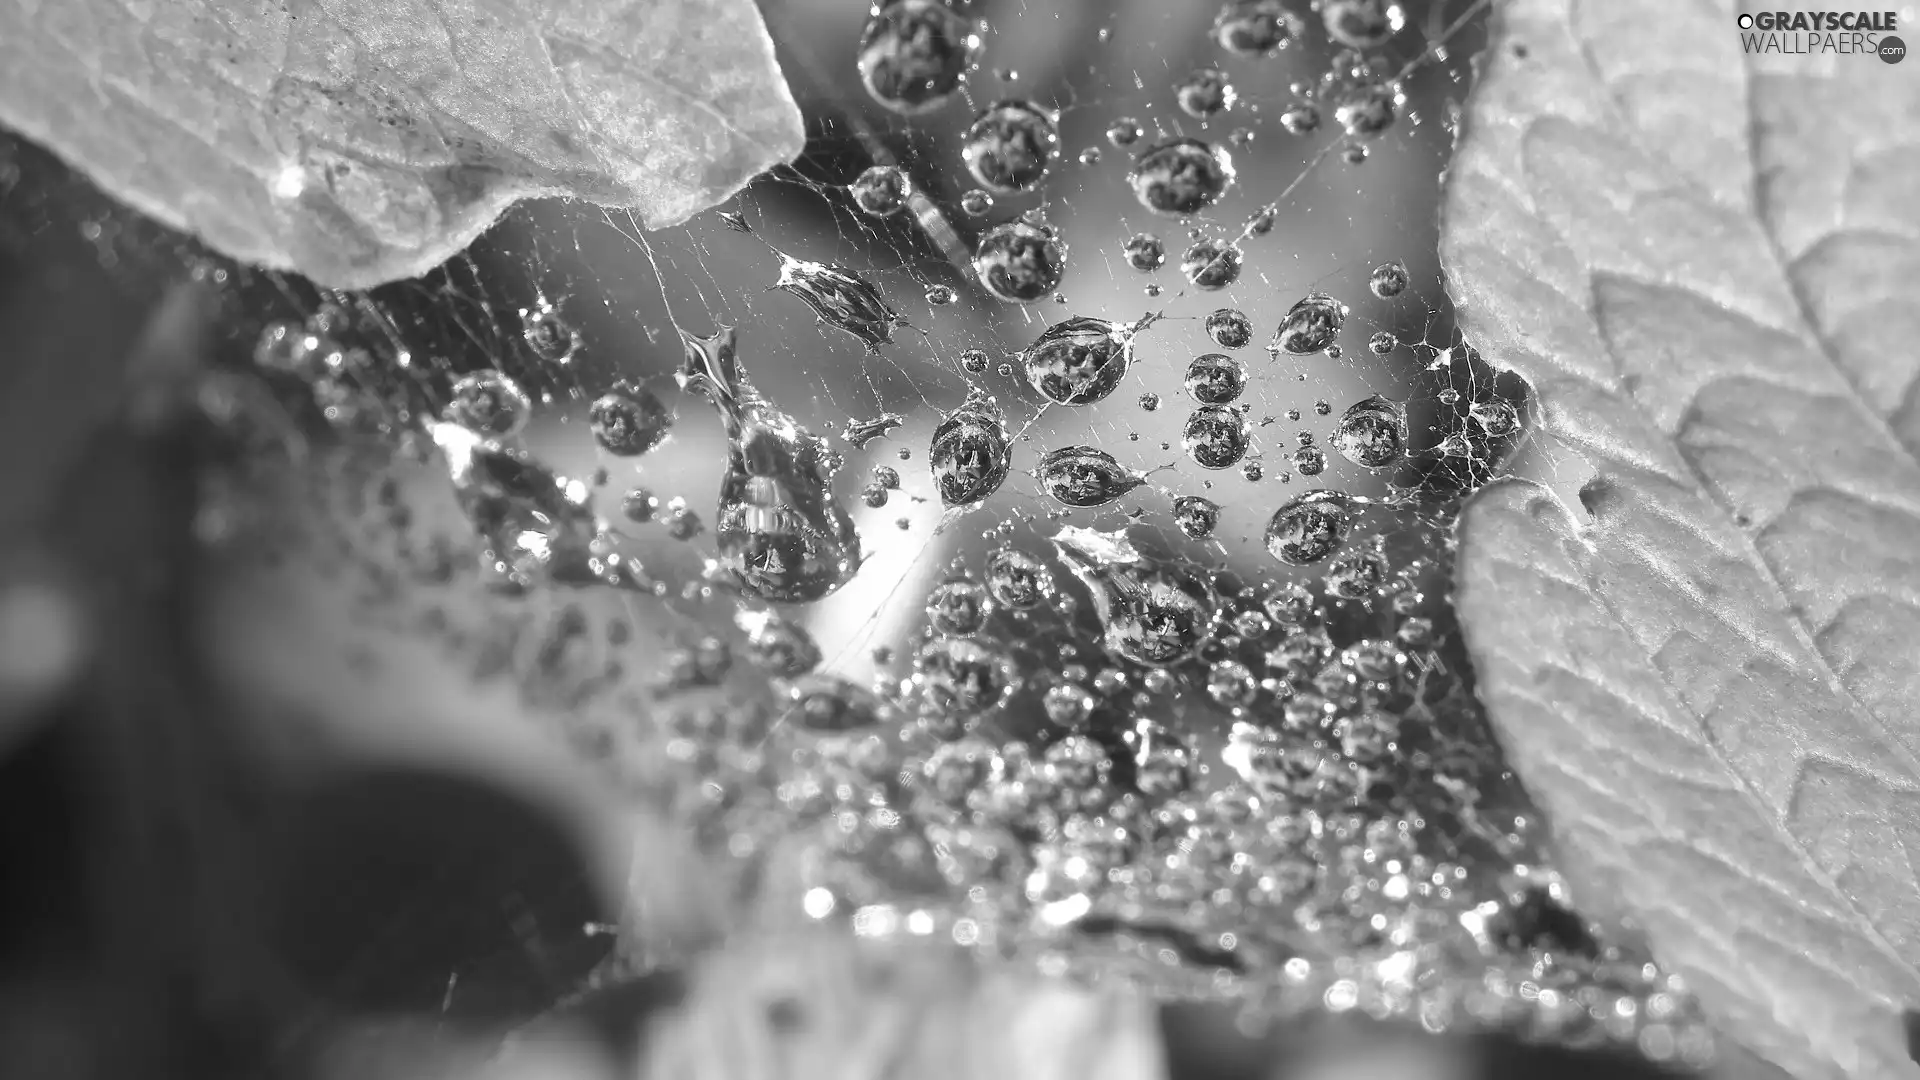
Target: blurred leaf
[
  {"x": 359, "y": 141},
  {"x": 1705, "y": 263}
]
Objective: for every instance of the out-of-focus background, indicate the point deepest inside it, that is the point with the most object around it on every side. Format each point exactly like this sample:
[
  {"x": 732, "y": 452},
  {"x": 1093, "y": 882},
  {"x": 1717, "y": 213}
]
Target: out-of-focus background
[{"x": 245, "y": 832}]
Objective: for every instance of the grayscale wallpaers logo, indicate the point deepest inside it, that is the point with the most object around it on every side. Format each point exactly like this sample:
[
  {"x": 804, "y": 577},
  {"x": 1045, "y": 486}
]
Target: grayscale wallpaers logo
[{"x": 1817, "y": 33}]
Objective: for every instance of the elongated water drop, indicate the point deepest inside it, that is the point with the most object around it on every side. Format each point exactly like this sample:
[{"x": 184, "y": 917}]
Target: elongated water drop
[
  {"x": 914, "y": 54},
  {"x": 1230, "y": 328},
  {"x": 1081, "y": 360},
  {"x": 970, "y": 454},
  {"x": 1150, "y": 613},
  {"x": 842, "y": 297},
  {"x": 1196, "y": 515},
  {"x": 548, "y": 333},
  {"x": 862, "y": 432},
  {"x": 1084, "y": 476},
  {"x": 1018, "y": 580},
  {"x": 1310, "y": 527},
  {"x": 1212, "y": 264},
  {"x": 780, "y": 531},
  {"x": 534, "y": 522},
  {"x": 1388, "y": 280},
  {"x": 1310, "y": 325},
  {"x": 1362, "y": 24},
  {"x": 1010, "y": 146}
]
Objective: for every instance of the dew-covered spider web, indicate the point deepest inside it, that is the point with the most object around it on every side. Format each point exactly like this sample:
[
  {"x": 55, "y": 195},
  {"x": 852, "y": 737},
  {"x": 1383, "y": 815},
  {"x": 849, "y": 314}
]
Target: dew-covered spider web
[{"x": 1024, "y": 521}]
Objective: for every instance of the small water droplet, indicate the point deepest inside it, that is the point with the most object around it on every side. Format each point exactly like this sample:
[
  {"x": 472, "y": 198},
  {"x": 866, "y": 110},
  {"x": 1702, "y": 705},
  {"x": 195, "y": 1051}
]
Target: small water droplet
[
  {"x": 1216, "y": 437},
  {"x": 1017, "y": 580},
  {"x": 638, "y": 505},
  {"x": 1309, "y": 527},
  {"x": 1497, "y": 418},
  {"x": 1356, "y": 575},
  {"x": 941, "y": 295},
  {"x": 1085, "y": 476},
  {"x": 1230, "y": 328},
  {"x": 1010, "y": 146},
  {"x": 1124, "y": 132},
  {"x": 1260, "y": 222},
  {"x": 976, "y": 203},
  {"x": 1354, "y": 154},
  {"x": 959, "y": 606},
  {"x": 1145, "y": 252},
  {"x": 1181, "y": 177},
  {"x": 1196, "y": 516},
  {"x": 1211, "y": 264},
  {"x": 886, "y": 476},
  {"x": 628, "y": 420},
  {"x": 1382, "y": 343},
  {"x": 874, "y": 495},
  {"x": 1231, "y": 683},
  {"x": 1215, "y": 378},
  {"x": 1362, "y": 24},
  {"x": 1205, "y": 92},
  {"x": 780, "y": 531},
  {"x": 779, "y": 645},
  {"x": 881, "y": 190},
  {"x": 1068, "y": 705},
  {"x": 829, "y": 703},
  {"x": 1252, "y": 471},
  {"x": 1150, "y": 613},
  {"x": 914, "y": 54},
  {"x": 1389, "y": 280},
  {"x": 548, "y": 333},
  {"x": 488, "y": 403},
  {"x": 1310, "y": 460},
  {"x": 1372, "y": 433},
  {"x": 969, "y": 453},
  {"x": 1255, "y": 28},
  {"x": 1019, "y": 262},
  {"x": 1310, "y": 325},
  {"x": 1149, "y": 402},
  {"x": 1300, "y": 119},
  {"x": 534, "y": 522}
]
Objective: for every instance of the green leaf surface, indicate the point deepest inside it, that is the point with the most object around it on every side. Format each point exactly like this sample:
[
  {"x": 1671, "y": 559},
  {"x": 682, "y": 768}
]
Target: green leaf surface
[
  {"x": 360, "y": 141},
  {"x": 1707, "y": 264}
]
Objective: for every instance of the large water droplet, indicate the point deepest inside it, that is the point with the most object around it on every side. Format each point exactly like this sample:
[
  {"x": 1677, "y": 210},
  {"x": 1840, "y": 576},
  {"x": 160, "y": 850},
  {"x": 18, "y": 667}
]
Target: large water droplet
[
  {"x": 1084, "y": 476},
  {"x": 1372, "y": 433},
  {"x": 881, "y": 190},
  {"x": 1255, "y": 28},
  {"x": 1495, "y": 417},
  {"x": 1205, "y": 92},
  {"x": 1196, "y": 515},
  {"x": 1010, "y": 146},
  {"x": 1163, "y": 764},
  {"x": 1212, "y": 264},
  {"x": 628, "y": 420},
  {"x": 533, "y": 521},
  {"x": 1181, "y": 177},
  {"x": 780, "y": 531},
  {"x": 963, "y": 677},
  {"x": 843, "y": 298},
  {"x": 488, "y": 403},
  {"x": 1081, "y": 360},
  {"x": 970, "y": 454},
  {"x": 1017, "y": 580},
  {"x": 1362, "y": 24},
  {"x": 1150, "y": 613},
  {"x": 1368, "y": 108},
  {"x": 1215, "y": 378},
  {"x": 1308, "y": 528},
  {"x": 1310, "y": 325},
  {"x": 861, "y": 432},
  {"x": 1389, "y": 280},
  {"x": 1019, "y": 262},
  {"x": 1216, "y": 437},
  {"x": 1145, "y": 252},
  {"x": 914, "y": 53},
  {"x": 1230, "y": 328}
]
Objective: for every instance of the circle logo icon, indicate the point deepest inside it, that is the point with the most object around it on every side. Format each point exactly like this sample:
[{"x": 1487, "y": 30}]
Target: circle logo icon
[{"x": 1892, "y": 50}]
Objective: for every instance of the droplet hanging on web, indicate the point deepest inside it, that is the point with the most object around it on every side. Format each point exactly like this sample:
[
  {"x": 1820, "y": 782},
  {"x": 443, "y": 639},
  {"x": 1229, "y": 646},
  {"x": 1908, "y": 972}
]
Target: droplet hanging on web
[
  {"x": 1309, "y": 527},
  {"x": 914, "y": 54},
  {"x": 488, "y": 403},
  {"x": 628, "y": 420},
  {"x": 1017, "y": 580},
  {"x": 548, "y": 333},
  {"x": 1205, "y": 92},
  {"x": 970, "y": 454},
  {"x": 1216, "y": 437},
  {"x": 1085, "y": 476},
  {"x": 781, "y": 533},
  {"x": 1150, "y": 612},
  {"x": 778, "y": 645},
  {"x": 881, "y": 190},
  {"x": 858, "y": 433},
  {"x": 1010, "y": 146},
  {"x": 1212, "y": 264},
  {"x": 1255, "y": 28},
  {"x": 1181, "y": 176},
  {"x": 536, "y": 524},
  {"x": 1362, "y": 24},
  {"x": 963, "y": 677},
  {"x": 1020, "y": 262},
  {"x": 1310, "y": 325},
  {"x": 1230, "y": 328},
  {"x": 1372, "y": 433},
  {"x": 1196, "y": 516},
  {"x": 1388, "y": 280},
  {"x": 1081, "y": 360},
  {"x": 959, "y": 607}
]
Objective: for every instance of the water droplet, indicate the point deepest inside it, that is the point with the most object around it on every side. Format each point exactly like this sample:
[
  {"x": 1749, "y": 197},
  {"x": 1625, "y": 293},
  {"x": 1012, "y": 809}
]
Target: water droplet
[
  {"x": 1090, "y": 156},
  {"x": 959, "y": 607},
  {"x": 1150, "y": 613},
  {"x": 973, "y": 361},
  {"x": 780, "y": 532},
  {"x": 1354, "y": 154},
  {"x": 1356, "y": 575},
  {"x": 886, "y": 476},
  {"x": 969, "y": 452},
  {"x": 628, "y": 420},
  {"x": 941, "y": 295},
  {"x": 1204, "y": 92},
  {"x": 881, "y": 190},
  {"x": 1215, "y": 378},
  {"x": 1368, "y": 108},
  {"x": 548, "y": 334},
  {"x": 1254, "y": 28},
  {"x": 962, "y": 677},
  {"x": 1310, "y": 460},
  {"x": 1124, "y": 132},
  {"x": 288, "y": 347},
  {"x": 1362, "y": 24},
  {"x": 1309, "y": 527},
  {"x": 488, "y": 403},
  {"x": 1080, "y": 360},
  {"x": 829, "y": 703},
  {"x": 914, "y": 53},
  {"x": 1181, "y": 177},
  {"x": 1216, "y": 437},
  {"x": 976, "y": 203},
  {"x": 1497, "y": 418},
  {"x": 1019, "y": 262},
  {"x": 1196, "y": 515},
  {"x": 1085, "y": 476},
  {"x": 843, "y": 298},
  {"x": 1382, "y": 343},
  {"x": 1010, "y": 146},
  {"x": 1230, "y": 328},
  {"x": 1163, "y": 765},
  {"x": 1068, "y": 705},
  {"x": 1388, "y": 280},
  {"x": 874, "y": 495},
  {"x": 1211, "y": 264},
  {"x": 1310, "y": 325},
  {"x": 534, "y": 522},
  {"x": 1253, "y": 471},
  {"x": 1372, "y": 433},
  {"x": 1231, "y": 684},
  {"x": 1017, "y": 580},
  {"x": 638, "y": 505},
  {"x": 779, "y": 645},
  {"x": 1260, "y": 222},
  {"x": 861, "y": 432}
]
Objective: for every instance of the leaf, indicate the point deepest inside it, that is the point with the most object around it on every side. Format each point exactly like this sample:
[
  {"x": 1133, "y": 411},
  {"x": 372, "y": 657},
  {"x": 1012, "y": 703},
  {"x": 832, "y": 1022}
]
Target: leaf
[
  {"x": 359, "y": 141},
  {"x": 1708, "y": 266}
]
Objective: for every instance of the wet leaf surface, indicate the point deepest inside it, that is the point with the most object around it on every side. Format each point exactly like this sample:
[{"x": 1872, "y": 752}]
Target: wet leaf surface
[
  {"x": 1702, "y": 663},
  {"x": 363, "y": 142}
]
